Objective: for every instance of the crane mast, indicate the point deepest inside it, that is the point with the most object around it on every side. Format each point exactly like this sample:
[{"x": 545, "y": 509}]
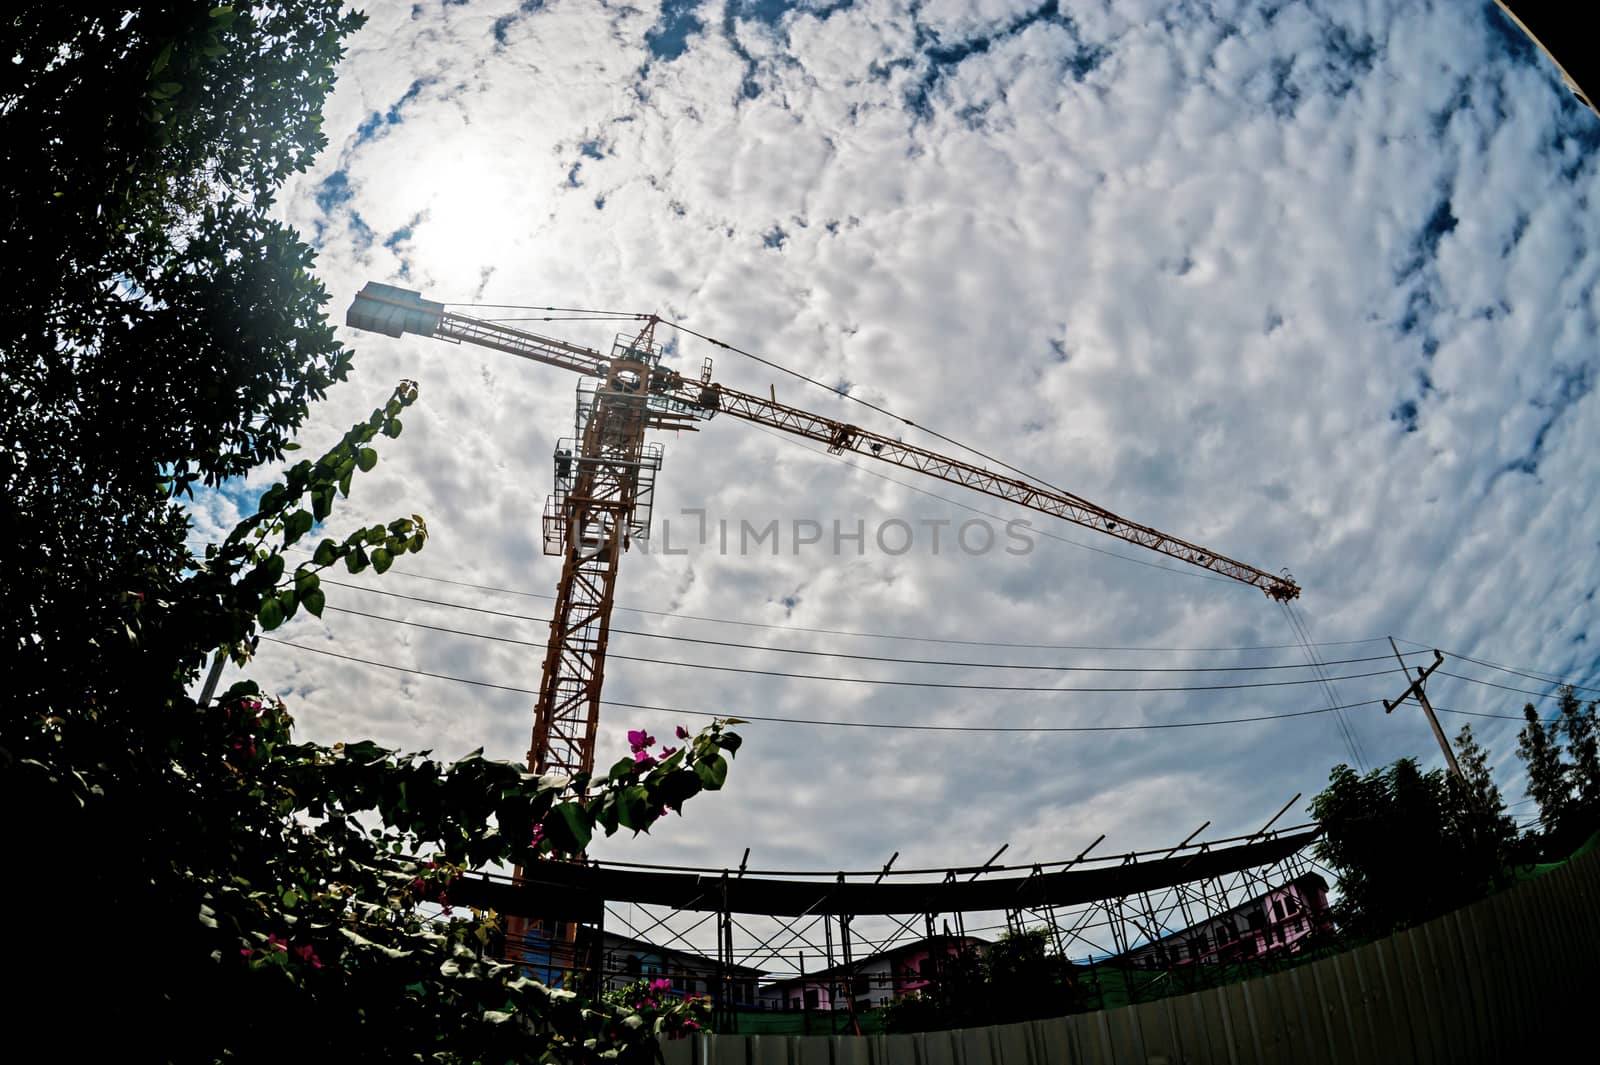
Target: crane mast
[{"x": 605, "y": 480}]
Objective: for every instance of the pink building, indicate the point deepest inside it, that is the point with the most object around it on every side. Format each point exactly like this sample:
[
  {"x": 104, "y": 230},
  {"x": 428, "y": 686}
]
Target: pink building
[
  {"x": 1280, "y": 921},
  {"x": 871, "y": 982}
]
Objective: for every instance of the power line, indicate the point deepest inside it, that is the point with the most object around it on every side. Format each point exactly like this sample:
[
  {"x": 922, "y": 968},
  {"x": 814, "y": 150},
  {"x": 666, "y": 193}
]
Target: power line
[
  {"x": 803, "y": 651},
  {"x": 855, "y": 633},
  {"x": 835, "y": 724},
  {"x": 1478, "y": 713},
  {"x": 949, "y": 685},
  {"x": 1492, "y": 684}
]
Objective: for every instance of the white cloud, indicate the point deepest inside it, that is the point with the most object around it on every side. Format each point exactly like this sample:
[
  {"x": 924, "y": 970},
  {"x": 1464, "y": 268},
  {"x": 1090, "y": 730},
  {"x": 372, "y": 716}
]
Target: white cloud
[{"x": 1173, "y": 257}]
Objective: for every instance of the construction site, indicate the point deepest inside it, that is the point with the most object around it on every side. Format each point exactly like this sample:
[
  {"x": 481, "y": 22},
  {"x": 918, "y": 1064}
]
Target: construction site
[{"x": 796, "y": 955}]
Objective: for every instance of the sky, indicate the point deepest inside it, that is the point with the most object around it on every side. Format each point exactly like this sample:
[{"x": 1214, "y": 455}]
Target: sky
[{"x": 1312, "y": 284}]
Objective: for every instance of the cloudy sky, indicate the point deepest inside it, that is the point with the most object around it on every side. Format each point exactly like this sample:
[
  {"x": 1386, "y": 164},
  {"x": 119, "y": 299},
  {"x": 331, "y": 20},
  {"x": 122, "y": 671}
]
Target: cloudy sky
[{"x": 1313, "y": 284}]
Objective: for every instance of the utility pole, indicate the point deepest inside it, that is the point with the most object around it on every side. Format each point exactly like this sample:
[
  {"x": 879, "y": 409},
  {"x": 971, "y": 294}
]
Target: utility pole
[{"x": 1427, "y": 707}]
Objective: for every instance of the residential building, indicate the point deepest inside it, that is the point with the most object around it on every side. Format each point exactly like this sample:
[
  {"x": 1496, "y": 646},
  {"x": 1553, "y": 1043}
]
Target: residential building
[{"x": 871, "y": 982}]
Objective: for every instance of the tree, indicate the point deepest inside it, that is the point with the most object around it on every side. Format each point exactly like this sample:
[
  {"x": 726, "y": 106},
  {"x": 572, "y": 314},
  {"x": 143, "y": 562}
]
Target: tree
[
  {"x": 197, "y": 885},
  {"x": 1015, "y": 978},
  {"x": 1577, "y": 725},
  {"x": 1481, "y": 819},
  {"x": 1563, "y": 780},
  {"x": 1395, "y": 839},
  {"x": 1540, "y": 751},
  {"x": 161, "y": 328}
]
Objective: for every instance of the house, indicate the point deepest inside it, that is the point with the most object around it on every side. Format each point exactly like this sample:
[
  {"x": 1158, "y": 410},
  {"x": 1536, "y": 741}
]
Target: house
[
  {"x": 871, "y": 982},
  {"x": 1280, "y": 921},
  {"x": 623, "y": 960}
]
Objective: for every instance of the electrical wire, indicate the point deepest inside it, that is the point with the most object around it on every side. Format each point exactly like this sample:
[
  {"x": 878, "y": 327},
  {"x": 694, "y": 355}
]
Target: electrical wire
[
  {"x": 1492, "y": 684},
  {"x": 818, "y": 654},
  {"x": 853, "y": 633},
  {"x": 835, "y": 724},
  {"x": 956, "y": 686},
  {"x": 1542, "y": 678},
  {"x": 1478, "y": 713}
]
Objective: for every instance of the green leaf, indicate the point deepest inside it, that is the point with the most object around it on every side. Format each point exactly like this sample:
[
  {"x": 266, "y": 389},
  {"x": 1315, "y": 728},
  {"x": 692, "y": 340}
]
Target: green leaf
[
  {"x": 366, "y": 458},
  {"x": 271, "y": 614},
  {"x": 272, "y": 567},
  {"x": 633, "y": 808},
  {"x": 568, "y": 828},
  {"x": 322, "y": 501},
  {"x": 297, "y": 525},
  {"x": 305, "y": 580},
  {"x": 712, "y": 771},
  {"x": 391, "y": 427},
  {"x": 356, "y": 560},
  {"x": 382, "y": 559},
  {"x": 326, "y": 552}
]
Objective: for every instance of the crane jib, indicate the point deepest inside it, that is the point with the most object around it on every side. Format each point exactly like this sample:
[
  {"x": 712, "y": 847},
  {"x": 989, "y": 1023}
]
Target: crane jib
[{"x": 395, "y": 311}]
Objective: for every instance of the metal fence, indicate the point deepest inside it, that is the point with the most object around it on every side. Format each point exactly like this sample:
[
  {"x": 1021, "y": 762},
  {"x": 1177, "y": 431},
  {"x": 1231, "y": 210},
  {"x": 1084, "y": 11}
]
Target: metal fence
[{"x": 1508, "y": 979}]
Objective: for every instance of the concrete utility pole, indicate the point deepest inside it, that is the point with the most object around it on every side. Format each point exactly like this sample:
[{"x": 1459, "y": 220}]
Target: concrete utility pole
[{"x": 1427, "y": 707}]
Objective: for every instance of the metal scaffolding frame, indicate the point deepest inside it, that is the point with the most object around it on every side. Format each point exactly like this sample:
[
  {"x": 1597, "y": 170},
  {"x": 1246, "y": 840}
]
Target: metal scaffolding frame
[{"x": 1119, "y": 920}]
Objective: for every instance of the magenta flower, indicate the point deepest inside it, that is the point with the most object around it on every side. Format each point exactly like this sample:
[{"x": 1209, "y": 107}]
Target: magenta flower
[
  {"x": 683, "y": 733},
  {"x": 661, "y": 985},
  {"x": 639, "y": 739},
  {"x": 538, "y": 835},
  {"x": 277, "y": 943},
  {"x": 642, "y": 760},
  {"x": 668, "y": 752}
]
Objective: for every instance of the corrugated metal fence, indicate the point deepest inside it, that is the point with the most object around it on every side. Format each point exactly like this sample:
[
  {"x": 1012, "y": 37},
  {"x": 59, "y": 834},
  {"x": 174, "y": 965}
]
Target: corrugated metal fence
[{"x": 1511, "y": 978}]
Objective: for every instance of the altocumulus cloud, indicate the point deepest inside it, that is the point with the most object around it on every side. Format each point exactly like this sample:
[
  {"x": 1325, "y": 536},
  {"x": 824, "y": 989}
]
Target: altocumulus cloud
[{"x": 1311, "y": 283}]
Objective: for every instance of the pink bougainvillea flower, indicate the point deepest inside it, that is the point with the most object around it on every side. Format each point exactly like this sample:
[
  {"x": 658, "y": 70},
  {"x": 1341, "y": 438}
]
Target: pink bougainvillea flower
[
  {"x": 639, "y": 739},
  {"x": 538, "y": 835},
  {"x": 683, "y": 733},
  {"x": 668, "y": 752},
  {"x": 642, "y": 760},
  {"x": 245, "y": 952},
  {"x": 277, "y": 943}
]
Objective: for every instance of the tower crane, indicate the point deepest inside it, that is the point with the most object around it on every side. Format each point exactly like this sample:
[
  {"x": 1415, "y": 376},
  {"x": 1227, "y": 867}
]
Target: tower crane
[{"x": 605, "y": 487}]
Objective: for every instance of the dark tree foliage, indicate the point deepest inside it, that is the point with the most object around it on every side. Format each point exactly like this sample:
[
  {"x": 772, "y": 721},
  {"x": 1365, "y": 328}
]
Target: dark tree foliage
[
  {"x": 1481, "y": 820},
  {"x": 159, "y": 327},
  {"x": 187, "y": 882},
  {"x": 1402, "y": 845},
  {"x": 1540, "y": 751},
  {"x": 1563, "y": 778},
  {"x": 1015, "y": 978}
]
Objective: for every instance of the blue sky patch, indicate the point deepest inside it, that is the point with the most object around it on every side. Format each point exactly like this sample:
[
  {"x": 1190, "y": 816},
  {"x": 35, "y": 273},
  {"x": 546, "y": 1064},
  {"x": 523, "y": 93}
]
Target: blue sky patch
[{"x": 669, "y": 37}]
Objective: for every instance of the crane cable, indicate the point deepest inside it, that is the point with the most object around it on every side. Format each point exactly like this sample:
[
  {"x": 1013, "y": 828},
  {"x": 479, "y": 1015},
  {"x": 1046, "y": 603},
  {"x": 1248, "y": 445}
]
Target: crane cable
[{"x": 1346, "y": 732}]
